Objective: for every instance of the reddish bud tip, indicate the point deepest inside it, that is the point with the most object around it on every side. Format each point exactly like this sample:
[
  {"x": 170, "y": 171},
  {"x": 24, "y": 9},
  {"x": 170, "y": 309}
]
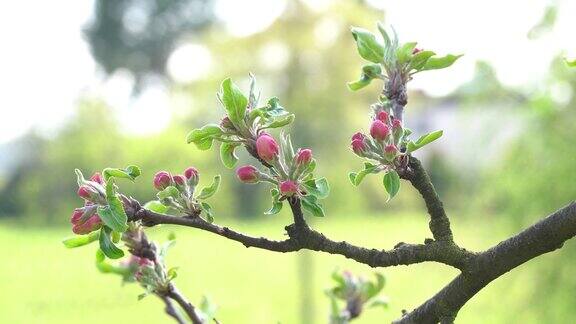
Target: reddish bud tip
[
  {"x": 390, "y": 152},
  {"x": 93, "y": 223},
  {"x": 304, "y": 156},
  {"x": 162, "y": 180},
  {"x": 358, "y": 147},
  {"x": 248, "y": 174},
  {"x": 192, "y": 175},
  {"x": 358, "y": 136},
  {"x": 383, "y": 117},
  {"x": 76, "y": 215},
  {"x": 266, "y": 147},
  {"x": 97, "y": 177},
  {"x": 179, "y": 180},
  {"x": 86, "y": 192},
  {"x": 396, "y": 123},
  {"x": 416, "y": 50},
  {"x": 379, "y": 131},
  {"x": 288, "y": 188}
]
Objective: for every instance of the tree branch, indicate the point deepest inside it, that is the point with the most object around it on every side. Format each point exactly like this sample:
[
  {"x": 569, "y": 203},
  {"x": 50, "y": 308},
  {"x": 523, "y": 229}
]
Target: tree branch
[
  {"x": 439, "y": 222},
  {"x": 545, "y": 236},
  {"x": 301, "y": 236},
  {"x": 171, "y": 310},
  {"x": 186, "y": 305}
]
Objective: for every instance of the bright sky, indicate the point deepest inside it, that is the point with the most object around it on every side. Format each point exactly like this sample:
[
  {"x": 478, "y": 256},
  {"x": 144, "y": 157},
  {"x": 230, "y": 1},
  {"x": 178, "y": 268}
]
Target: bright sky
[{"x": 47, "y": 65}]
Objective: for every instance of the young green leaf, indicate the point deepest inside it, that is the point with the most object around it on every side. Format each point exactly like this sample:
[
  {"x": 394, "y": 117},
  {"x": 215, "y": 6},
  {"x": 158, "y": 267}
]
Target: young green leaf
[
  {"x": 107, "y": 246},
  {"x": 392, "y": 183},
  {"x": 81, "y": 240},
  {"x": 276, "y": 203},
  {"x": 156, "y": 206},
  {"x": 404, "y": 53},
  {"x": 130, "y": 172},
  {"x": 436, "y": 63},
  {"x": 227, "y": 155},
  {"x": 170, "y": 191},
  {"x": 113, "y": 215},
  {"x": 281, "y": 122},
  {"x": 110, "y": 220},
  {"x": 310, "y": 204},
  {"x": 234, "y": 101},
  {"x": 424, "y": 140},
  {"x": 203, "y": 137},
  {"x": 106, "y": 267},
  {"x": 317, "y": 187},
  {"x": 368, "y": 47},
  {"x": 419, "y": 60},
  {"x": 356, "y": 178},
  {"x": 208, "y": 209},
  {"x": 372, "y": 71},
  {"x": 210, "y": 190},
  {"x": 360, "y": 83}
]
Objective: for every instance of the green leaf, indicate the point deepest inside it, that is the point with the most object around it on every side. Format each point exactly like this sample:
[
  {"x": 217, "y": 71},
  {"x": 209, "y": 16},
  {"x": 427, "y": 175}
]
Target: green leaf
[
  {"x": 423, "y": 140},
  {"x": 227, "y": 155},
  {"x": 130, "y": 172},
  {"x": 435, "y": 63},
  {"x": 368, "y": 47},
  {"x": 208, "y": 209},
  {"x": 317, "y": 187},
  {"x": 310, "y": 204},
  {"x": 404, "y": 53},
  {"x": 156, "y": 206},
  {"x": 172, "y": 273},
  {"x": 373, "y": 289},
  {"x": 372, "y": 71},
  {"x": 419, "y": 59},
  {"x": 276, "y": 203},
  {"x": 280, "y": 122},
  {"x": 359, "y": 84},
  {"x": 356, "y": 178},
  {"x": 234, "y": 101},
  {"x": 203, "y": 137},
  {"x": 170, "y": 191},
  {"x": 570, "y": 63},
  {"x": 210, "y": 190},
  {"x": 113, "y": 215},
  {"x": 81, "y": 240},
  {"x": 107, "y": 246},
  {"x": 379, "y": 302},
  {"x": 392, "y": 183}
]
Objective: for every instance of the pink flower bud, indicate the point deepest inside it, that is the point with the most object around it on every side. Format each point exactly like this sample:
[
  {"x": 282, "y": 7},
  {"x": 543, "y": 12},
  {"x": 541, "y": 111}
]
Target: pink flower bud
[
  {"x": 379, "y": 131},
  {"x": 76, "y": 215},
  {"x": 304, "y": 156},
  {"x": 390, "y": 152},
  {"x": 89, "y": 193},
  {"x": 248, "y": 174},
  {"x": 397, "y": 130},
  {"x": 416, "y": 50},
  {"x": 396, "y": 123},
  {"x": 359, "y": 147},
  {"x": 93, "y": 223},
  {"x": 358, "y": 136},
  {"x": 97, "y": 177},
  {"x": 267, "y": 147},
  {"x": 179, "y": 180},
  {"x": 288, "y": 188},
  {"x": 162, "y": 180},
  {"x": 383, "y": 117},
  {"x": 192, "y": 176}
]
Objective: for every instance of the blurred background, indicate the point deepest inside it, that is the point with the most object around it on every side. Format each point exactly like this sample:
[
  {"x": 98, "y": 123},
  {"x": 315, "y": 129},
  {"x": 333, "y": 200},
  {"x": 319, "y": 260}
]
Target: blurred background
[{"x": 92, "y": 84}]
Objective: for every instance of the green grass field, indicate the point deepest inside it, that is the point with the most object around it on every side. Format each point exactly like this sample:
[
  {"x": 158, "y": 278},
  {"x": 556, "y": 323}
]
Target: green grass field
[{"x": 43, "y": 282}]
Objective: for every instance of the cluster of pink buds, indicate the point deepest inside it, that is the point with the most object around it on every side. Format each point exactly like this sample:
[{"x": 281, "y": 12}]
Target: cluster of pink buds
[
  {"x": 386, "y": 136},
  {"x": 289, "y": 169},
  {"x": 85, "y": 219},
  {"x": 183, "y": 187}
]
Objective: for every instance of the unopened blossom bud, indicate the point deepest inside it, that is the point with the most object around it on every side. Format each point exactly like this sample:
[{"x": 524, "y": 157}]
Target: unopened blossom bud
[
  {"x": 267, "y": 148},
  {"x": 192, "y": 176},
  {"x": 304, "y": 157},
  {"x": 416, "y": 50},
  {"x": 162, "y": 180},
  {"x": 90, "y": 225},
  {"x": 76, "y": 215},
  {"x": 383, "y": 117},
  {"x": 89, "y": 193},
  {"x": 179, "y": 180},
  {"x": 390, "y": 152},
  {"x": 358, "y": 136},
  {"x": 359, "y": 147},
  {"x": 248, "y": 174},
  {"x": 97, "y": 177},
  {"x": 288, "y": 188},
  {"x": 379, "y": 131},
  {"x": 397, "y": 130},
  {"x": 226, "y": 124}
]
